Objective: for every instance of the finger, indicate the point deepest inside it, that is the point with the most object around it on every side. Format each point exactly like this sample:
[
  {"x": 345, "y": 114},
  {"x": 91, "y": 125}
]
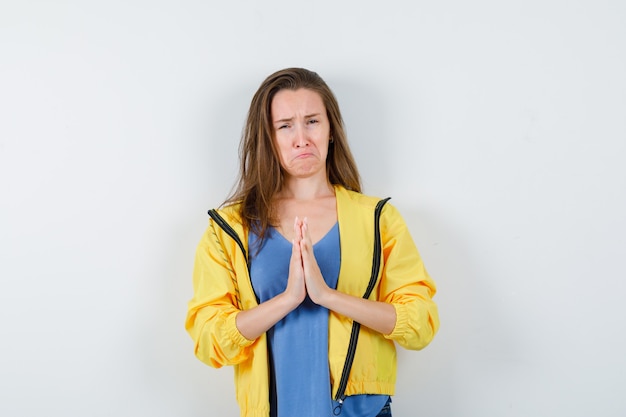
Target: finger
[
  {"x": 296, "y": 249},
  {"x": 305, "y": 250},
  {"x": 306, "y": 236},
  {"x": 297, "y": 228},
  {"x": 295, "y": 242}
]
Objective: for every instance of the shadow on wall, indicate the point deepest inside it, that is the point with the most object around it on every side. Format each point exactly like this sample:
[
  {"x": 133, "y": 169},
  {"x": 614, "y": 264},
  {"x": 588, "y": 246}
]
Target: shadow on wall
[
  {"x": 476, "y": 345},
  {"x": 226, "y": 116},
  {"x": 364, "y": 113},
  {"x": 213, "y": 160}
]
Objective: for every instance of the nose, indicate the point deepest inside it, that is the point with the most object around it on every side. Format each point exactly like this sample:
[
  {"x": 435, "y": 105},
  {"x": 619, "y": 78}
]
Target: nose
[{"x": 300, "y": 139}]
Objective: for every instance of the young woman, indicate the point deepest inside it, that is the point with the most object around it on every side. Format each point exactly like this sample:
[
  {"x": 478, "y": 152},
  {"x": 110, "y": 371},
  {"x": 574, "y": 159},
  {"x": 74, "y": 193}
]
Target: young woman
[{"x": 300, "y": 281}]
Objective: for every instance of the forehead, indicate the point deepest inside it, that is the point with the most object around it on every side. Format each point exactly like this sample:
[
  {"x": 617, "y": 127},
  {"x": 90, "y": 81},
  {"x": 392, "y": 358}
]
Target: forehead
[{"x": 290, "y": 102}]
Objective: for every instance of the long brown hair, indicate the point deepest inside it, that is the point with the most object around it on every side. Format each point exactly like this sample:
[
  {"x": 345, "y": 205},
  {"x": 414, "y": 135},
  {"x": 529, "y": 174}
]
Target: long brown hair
[{"x": 260, "y": 174}]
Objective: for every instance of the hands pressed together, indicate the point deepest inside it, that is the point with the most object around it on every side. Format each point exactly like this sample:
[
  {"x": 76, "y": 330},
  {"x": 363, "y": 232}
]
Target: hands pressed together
[{"x": 305, "y": 276}]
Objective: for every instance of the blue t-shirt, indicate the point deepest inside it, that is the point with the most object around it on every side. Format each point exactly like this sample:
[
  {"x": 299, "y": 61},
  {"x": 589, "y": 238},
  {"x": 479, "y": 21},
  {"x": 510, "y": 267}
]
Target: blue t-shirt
[{"x": 298, "y": 343}]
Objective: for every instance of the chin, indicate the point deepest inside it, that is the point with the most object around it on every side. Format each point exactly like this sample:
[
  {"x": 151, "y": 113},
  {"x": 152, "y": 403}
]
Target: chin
[{"x": 305, "y": 170}]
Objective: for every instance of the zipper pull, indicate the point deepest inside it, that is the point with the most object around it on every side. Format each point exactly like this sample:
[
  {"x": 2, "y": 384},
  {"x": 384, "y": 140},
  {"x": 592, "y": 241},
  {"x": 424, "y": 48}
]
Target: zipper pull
[{"x": 338, "y": 407}]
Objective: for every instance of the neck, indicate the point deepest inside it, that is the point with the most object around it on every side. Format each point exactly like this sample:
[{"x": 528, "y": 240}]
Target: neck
[{"x": 306, "y": 188}]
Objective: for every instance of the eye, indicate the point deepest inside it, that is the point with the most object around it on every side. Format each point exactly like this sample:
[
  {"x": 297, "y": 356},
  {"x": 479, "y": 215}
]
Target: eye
[
  {"x": 285, "y": 126},
  {"x": 313, "y": 121}
]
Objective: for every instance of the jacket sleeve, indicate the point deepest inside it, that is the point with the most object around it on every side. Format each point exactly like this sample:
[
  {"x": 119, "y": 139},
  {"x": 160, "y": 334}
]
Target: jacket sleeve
[
  {"x": 406, "y": 284},
  {"x": 213, "y": 309}
]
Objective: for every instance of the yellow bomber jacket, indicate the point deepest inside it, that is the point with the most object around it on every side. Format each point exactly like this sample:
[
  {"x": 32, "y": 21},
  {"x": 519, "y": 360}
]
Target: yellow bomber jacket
[{"x": 222, "y": 288}]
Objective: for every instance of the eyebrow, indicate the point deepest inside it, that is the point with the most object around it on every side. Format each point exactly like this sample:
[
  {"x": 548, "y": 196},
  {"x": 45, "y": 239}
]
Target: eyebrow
[{"x": 308, "y": 116}]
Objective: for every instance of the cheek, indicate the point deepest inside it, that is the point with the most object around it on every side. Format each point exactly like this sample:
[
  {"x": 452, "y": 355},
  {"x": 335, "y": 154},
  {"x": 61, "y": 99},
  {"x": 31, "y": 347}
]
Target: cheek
[
  {"x": 324, "y": 144},
  {"x": 283, "y": 152}
]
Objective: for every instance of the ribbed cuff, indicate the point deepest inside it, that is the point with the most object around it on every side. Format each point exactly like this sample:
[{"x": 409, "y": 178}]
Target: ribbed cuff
[
  {"x": 402, "y": 320},
  {"x": 234, "y": 333}
]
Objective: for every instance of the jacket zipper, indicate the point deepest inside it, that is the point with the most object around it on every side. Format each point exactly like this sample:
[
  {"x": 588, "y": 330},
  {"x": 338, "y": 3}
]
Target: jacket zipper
[
  {"x": 230, "y": 232},
  {"x": 356, "y": 327}
]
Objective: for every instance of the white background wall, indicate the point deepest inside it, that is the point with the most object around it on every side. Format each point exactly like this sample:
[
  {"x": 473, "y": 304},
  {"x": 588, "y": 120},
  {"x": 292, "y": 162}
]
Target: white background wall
[{"x": 499, "y": 127}]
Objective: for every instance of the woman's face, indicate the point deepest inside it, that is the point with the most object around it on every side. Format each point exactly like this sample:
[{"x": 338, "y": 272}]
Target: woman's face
[{"x": 301, "y": 132}]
